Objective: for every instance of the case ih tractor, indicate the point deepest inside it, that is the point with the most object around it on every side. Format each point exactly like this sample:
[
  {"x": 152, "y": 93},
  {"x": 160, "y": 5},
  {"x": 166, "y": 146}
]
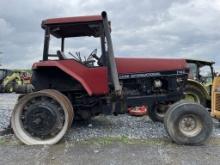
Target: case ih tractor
[{"x": 68, "y": 88}]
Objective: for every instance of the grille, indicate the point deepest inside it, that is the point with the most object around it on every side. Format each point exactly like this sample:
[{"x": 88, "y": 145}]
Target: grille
[{"x": 217, "y": 101}]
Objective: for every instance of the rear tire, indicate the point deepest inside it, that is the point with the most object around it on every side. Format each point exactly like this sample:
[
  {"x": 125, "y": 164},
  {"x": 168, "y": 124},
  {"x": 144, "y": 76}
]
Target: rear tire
[
  {"x": 188, "y": 123},
  {"x": 41, "y": 118}
]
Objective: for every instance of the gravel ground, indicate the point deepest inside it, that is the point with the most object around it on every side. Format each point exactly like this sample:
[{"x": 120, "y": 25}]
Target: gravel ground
[
  {"x": 7, "y": 102},
  {"x": 100, "y": 126}
]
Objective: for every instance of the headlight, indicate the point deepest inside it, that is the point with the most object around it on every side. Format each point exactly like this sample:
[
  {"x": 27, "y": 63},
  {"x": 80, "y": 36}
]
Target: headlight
[{"x": 158, "y": 83}]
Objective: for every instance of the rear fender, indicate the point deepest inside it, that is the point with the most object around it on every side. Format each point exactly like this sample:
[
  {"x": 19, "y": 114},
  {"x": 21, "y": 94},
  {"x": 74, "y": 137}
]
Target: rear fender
[{"x": 94, "y": 80}]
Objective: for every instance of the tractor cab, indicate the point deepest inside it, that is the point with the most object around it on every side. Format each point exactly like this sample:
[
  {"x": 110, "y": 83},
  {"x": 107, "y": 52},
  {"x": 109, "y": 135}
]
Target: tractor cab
[
  {"x": 86, "y": 28},
  {"x": 201, "y": 71},
  {"x": 81, "y": 67}
]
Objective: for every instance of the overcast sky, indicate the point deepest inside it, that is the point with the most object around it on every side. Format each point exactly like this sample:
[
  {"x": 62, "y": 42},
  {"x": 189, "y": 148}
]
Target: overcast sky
[{"x": 150, "y": 28}]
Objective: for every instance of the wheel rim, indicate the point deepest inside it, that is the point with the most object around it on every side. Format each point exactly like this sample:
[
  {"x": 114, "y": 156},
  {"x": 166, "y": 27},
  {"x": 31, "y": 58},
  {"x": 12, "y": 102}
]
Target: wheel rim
[
  {"x": 44, "y": 120},
  {"x": 66, "y": 101},
  {"x": 192, "y": 98},
  {"x": 190, "y": 125},
  {"x": 26, "y": 134}
]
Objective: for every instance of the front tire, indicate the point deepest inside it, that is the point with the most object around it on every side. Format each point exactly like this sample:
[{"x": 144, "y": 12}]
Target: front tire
[{"x": 188, "y": 123}]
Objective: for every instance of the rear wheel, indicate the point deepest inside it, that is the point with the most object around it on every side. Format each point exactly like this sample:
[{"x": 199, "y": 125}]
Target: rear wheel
[
  {"x": 42, "y": 117},
  {"x": 188, "y": 123}
]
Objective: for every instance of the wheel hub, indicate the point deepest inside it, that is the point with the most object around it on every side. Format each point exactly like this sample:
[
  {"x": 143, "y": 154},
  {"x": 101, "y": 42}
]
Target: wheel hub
[
  {"x": 39, "y": 120},
  {"x": 190, "y": 125}
]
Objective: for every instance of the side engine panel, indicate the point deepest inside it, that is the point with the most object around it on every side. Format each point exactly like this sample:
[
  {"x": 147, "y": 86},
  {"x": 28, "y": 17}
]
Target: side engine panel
[{"x": 153, "y": 83}]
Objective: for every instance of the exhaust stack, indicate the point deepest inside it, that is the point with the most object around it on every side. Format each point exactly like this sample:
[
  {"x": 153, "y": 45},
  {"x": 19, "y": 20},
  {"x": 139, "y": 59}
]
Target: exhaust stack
[{"x": 110, "y": 56}]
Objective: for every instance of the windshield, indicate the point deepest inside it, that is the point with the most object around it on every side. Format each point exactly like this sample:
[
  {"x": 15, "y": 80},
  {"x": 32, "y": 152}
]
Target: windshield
[
  {"x": 192, "y": 71},
  {"x": 205, "y": 74},
  {"x": 77, "y": 48}
]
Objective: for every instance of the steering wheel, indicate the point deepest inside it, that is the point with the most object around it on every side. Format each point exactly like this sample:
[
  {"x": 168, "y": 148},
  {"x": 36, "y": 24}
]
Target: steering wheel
[
  {"x": 90, "y": 61},
  {"x": 93, "y": 54},
  {"x": 87, "y": 61}
]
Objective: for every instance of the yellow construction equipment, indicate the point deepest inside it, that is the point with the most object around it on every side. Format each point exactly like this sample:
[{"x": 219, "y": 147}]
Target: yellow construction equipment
[
  {"x": 16, "y": 81},
  {"x": 215, "y": 112}
]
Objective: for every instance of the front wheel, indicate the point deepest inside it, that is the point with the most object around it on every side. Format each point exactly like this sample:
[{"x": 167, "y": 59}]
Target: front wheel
[{"x": 188, "y": 123}]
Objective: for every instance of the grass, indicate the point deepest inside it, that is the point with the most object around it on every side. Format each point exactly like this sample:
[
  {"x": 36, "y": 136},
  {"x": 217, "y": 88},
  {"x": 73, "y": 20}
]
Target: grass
[
  {"x": 124, "y": 140},
  {"x": 11, "y": 140},
  {"x": 2, "y": 141},
  {"x": 102, "y": 141}
]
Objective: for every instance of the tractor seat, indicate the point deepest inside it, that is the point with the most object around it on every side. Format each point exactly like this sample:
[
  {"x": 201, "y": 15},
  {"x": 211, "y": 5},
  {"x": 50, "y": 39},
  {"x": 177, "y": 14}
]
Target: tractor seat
[{"x": 61, "y": 55}]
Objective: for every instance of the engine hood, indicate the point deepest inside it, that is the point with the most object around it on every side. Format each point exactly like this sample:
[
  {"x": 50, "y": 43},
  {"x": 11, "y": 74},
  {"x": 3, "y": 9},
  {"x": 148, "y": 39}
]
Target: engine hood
[{"x": 143, "y": 65}]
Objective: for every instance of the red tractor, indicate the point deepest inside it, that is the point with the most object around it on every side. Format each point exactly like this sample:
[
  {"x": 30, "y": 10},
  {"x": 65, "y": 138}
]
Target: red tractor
[{"x": 70, "y": 88}]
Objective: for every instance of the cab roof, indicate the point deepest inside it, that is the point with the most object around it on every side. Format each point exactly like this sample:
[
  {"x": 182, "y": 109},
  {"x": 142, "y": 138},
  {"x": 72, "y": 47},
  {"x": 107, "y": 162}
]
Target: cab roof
[
  {"x": 70, "y": 20},
  {"x": 201, "y": 62},
  {"x": 74, "y": 26}
]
